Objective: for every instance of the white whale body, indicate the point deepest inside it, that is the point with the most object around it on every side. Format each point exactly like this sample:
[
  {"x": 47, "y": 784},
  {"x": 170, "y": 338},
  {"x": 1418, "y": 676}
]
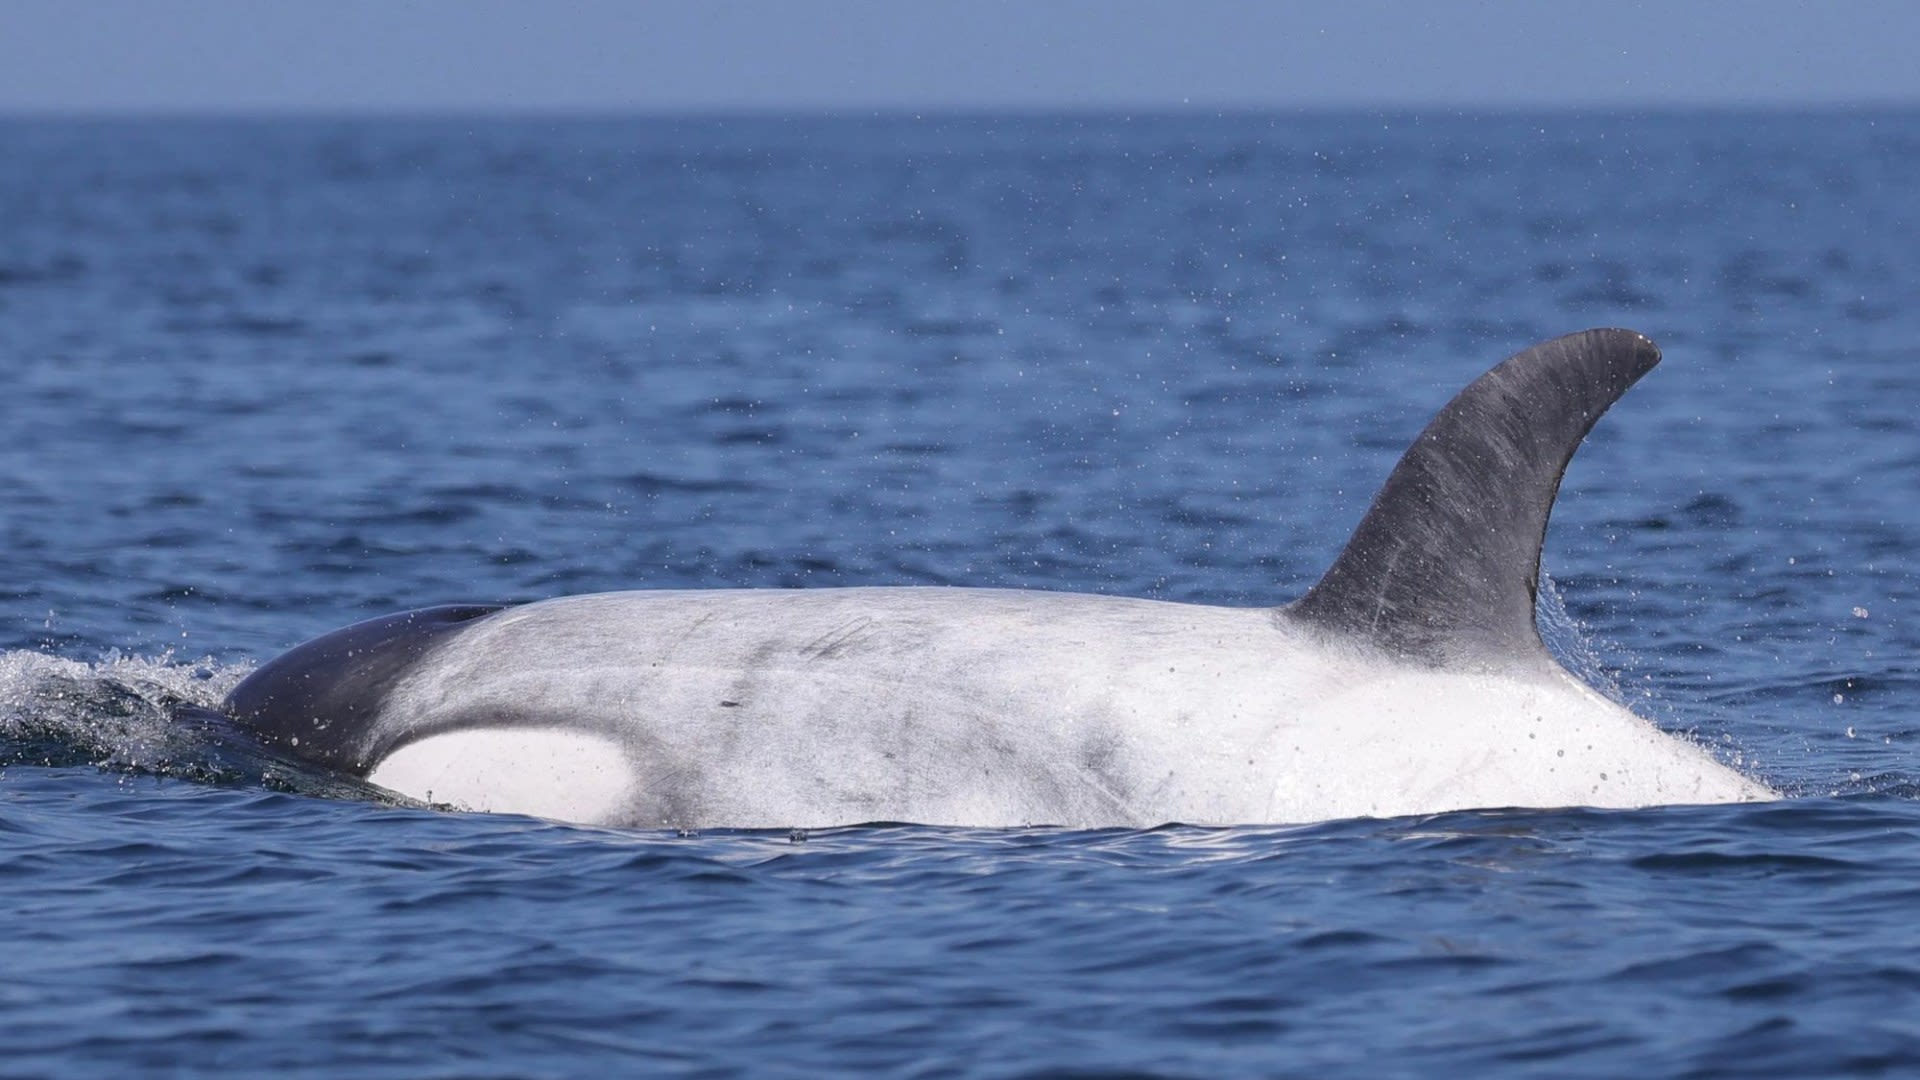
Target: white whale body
[{"x": 1411, "y": 679}]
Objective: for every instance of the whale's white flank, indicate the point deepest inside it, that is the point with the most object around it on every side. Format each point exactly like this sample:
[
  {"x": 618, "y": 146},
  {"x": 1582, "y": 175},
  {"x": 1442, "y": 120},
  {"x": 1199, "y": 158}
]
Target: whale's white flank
[{"x": 770, "y": 708}]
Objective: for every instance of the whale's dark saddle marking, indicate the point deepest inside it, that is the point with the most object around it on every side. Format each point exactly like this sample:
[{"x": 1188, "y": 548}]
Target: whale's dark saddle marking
[
  {"x": 321, "y": 699},
  {"x": 1445, "y": 566}
]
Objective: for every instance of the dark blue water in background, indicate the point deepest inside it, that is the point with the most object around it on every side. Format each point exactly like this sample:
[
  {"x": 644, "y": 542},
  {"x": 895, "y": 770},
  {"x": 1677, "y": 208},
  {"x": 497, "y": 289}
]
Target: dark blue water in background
[{"x": 263, "y": 378}]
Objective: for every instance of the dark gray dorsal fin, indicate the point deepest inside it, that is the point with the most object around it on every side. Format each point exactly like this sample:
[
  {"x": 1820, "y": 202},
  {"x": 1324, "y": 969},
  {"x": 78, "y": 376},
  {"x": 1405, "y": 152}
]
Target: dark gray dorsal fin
[{"x": 1444, "y": 567}]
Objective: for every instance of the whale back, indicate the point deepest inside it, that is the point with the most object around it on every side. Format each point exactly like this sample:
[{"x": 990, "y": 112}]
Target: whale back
[{"x": 1444, "y": 568}]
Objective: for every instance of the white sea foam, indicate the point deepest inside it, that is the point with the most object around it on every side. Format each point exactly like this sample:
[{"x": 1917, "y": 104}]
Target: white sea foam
[{"x": 116, "y": 712}]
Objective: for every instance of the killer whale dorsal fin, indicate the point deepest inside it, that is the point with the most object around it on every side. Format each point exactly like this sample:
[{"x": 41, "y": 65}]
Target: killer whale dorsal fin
[{"x": 1445, "y": 566}]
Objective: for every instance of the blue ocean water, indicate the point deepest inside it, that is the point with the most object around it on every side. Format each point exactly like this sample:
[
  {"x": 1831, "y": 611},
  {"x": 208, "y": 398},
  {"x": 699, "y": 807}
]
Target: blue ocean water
[{"x": 267, "y": 377}]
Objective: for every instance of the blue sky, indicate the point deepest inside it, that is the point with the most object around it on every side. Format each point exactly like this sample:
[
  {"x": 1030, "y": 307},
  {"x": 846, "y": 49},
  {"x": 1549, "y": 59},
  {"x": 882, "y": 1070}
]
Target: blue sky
[{"x": 250, "y": 55}]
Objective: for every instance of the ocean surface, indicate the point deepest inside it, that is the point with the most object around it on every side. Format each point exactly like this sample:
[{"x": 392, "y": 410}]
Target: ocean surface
[{"x": 263, "y": 378}]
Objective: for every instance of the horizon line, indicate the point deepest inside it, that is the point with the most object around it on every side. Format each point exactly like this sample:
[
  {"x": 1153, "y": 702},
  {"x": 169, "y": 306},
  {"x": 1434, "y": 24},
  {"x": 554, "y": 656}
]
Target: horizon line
[{"x": 957, "y": 111}]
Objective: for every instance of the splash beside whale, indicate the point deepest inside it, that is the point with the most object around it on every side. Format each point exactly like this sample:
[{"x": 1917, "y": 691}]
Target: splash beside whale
[{"x": 1410, "y": 679}]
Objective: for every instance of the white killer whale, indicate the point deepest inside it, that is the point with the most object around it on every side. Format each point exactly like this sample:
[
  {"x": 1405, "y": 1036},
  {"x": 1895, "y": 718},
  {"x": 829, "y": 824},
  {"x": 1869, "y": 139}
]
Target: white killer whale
[{"x": 1411, "y": 679}]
